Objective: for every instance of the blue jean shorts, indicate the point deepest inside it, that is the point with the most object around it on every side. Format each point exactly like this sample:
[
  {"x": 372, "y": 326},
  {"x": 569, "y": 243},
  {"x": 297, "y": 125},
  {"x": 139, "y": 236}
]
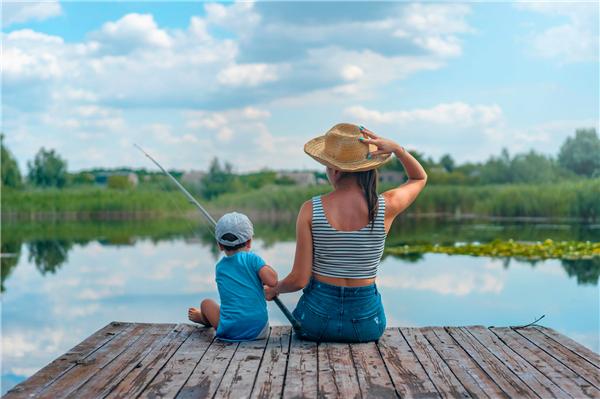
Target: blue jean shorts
[{"x": 329, "y": 313}]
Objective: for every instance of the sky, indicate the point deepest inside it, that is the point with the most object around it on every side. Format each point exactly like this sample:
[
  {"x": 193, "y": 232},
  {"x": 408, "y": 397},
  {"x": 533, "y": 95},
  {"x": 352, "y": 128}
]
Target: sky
[{"x": 251, "y": 82}]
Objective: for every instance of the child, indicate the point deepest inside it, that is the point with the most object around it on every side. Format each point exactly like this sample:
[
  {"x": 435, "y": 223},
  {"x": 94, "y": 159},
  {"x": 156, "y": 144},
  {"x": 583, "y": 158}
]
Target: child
[{"x": 240, "y": 277}]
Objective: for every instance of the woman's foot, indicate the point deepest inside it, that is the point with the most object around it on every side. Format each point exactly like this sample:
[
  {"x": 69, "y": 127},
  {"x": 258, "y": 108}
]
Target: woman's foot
[{"x": 195, "y": 315}]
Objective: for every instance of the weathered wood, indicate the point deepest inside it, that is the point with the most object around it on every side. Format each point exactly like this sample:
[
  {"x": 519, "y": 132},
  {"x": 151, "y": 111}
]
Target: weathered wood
[
  {"x": 137, "y": 380},
  {"x": 43, "y": 378},
  {"x": 373, "y": 377},
  {"x": 172, "y": 376},
  {"x": 206, "y": 377},
  {"x": 302, "y": 370},
  {"x": 471, "y": 376},
  {"x": 241, "y": 373},
  {"x": 337, "y": 374},
  {"x": 564, "y": 377},
  {"x": 409, "y": 378},
  {"x": 440, "y": 374},
  {"x": 271, "y": 374},
  {"x": 497, "y": 370},
  {"x": 102, "y": 382},
  {"x": 83, "y": 371},
  {"x": 563, "y": 354},
  {"x": 537, "y": 381},
  {"x": 125, "y": 360},
  {"x": 576, "y": 347}
]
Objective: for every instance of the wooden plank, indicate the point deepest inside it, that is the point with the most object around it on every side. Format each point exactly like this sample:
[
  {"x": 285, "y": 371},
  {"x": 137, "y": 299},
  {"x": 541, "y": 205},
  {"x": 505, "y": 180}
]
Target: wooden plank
[
  {"x": 440, "y": 374},
  {"x": 177, "y": 370},
  {"x": 139, "y": 378},
  {"x": 337, "y": 374},
  {"x": 373, "y": 378},
  {"x": 271, "y": 374},
  {"x": 206, "y": 377},
  {"x": 409, "y": 378},
  {"x": 43, "y": 378},
  {"x": 302, "y": 370},
  {"x": 239, "y": 378},
  {"x": 537, "y": 381},
  {"x": 592, "y": 357},
  {"x": 78, "y": 375},
  {"x": 562, "y": 354},
  {"x": 501, "y": 374},
  {"x": 102, "y": 382},
  {"x": 564, "y": 377},
  {"x": 472, "y": 377}
]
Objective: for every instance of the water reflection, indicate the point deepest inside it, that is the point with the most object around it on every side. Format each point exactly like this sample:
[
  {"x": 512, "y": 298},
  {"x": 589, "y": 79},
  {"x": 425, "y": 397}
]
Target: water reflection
[
  {"x": 49, "y": 244},
  {"x": 64, "y": 281}
]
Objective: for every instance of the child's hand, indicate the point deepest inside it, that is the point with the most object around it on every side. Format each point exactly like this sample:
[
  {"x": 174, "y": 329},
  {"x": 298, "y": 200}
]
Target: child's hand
[{"x": 270, "y": 292}]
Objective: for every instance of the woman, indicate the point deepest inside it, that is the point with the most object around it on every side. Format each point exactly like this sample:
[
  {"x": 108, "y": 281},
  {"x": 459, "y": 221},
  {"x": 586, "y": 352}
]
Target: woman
[{"x": 340, "y": 236}]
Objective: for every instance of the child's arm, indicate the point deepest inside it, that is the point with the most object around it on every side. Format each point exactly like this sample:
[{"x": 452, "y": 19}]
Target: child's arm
[{"x": 268, "y": 276}]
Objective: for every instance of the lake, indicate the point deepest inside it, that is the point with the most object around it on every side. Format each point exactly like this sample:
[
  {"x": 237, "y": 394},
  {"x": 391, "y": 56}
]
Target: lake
[{"x": 61, "y": 282}]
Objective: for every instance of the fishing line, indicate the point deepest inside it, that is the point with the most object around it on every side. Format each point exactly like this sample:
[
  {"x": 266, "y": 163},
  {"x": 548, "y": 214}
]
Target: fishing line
[{"x": 191, "y": 199}]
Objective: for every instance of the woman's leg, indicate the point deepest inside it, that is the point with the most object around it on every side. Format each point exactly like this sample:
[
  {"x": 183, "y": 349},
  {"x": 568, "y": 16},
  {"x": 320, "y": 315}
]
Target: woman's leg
[{"x": 207, "y": 314}]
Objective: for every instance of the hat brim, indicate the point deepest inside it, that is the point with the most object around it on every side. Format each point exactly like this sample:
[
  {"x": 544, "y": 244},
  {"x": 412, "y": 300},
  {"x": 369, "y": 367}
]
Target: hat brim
[{"x": 315, "y": 148}]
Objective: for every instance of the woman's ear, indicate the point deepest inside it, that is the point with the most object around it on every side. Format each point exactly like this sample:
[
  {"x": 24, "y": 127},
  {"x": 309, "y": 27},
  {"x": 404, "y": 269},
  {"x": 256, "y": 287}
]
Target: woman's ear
[{"x": 249, "y": 243}]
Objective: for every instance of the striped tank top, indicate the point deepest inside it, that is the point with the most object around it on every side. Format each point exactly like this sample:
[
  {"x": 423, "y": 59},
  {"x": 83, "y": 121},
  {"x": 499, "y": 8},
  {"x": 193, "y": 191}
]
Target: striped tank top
[{"x": 347, "y": 254}]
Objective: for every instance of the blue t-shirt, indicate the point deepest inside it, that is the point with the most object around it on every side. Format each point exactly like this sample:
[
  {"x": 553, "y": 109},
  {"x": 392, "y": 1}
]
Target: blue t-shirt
[{"x": 243, "y": 306}]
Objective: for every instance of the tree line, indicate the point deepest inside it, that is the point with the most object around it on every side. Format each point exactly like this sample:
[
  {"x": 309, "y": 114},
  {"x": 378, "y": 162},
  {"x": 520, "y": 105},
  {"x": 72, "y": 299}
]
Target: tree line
[{"x": 579, "y": 156}]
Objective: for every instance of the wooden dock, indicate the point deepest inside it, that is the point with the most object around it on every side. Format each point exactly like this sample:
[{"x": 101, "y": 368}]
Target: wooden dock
[{"x": 130, "y": 360}]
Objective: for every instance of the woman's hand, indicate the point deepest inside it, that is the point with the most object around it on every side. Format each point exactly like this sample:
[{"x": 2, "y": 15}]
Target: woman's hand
[
  {"x": 384, "y": 146},
  {"x": 270, "y": 292}
]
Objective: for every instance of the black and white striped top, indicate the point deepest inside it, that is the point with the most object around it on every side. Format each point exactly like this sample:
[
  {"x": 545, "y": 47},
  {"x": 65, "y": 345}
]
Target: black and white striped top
[{"x": 347, "y": 254}]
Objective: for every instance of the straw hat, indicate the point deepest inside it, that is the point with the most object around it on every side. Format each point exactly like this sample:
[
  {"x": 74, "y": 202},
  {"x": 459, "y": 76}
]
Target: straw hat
[{"x": 341, "y": 149}]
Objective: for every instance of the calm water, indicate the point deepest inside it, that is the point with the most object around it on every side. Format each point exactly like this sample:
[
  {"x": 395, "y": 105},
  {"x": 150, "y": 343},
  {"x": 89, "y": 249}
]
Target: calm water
[{"x": 63, "y": 282}]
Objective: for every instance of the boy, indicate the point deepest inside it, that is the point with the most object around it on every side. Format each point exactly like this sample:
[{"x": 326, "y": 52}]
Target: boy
[{"x": 240, "y": 277}]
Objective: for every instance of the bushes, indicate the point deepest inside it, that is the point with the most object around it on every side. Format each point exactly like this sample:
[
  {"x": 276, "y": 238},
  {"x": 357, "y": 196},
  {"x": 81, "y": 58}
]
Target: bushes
[{"x": 567, "y": 199}]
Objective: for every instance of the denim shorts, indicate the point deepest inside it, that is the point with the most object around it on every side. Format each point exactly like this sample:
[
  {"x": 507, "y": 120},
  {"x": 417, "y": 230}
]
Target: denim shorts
[{"x": 329, "y": 313}]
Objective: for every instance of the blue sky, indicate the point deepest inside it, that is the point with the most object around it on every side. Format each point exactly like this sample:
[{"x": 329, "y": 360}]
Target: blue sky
[{"x": 252, "y": 82}]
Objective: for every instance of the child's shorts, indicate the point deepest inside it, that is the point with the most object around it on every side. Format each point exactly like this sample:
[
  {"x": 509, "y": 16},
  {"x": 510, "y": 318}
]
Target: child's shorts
[{"x": 242, "y": 332}]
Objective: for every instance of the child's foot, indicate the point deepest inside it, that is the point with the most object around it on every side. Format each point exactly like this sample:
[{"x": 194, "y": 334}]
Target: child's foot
[{"x": 195, "y": 315}]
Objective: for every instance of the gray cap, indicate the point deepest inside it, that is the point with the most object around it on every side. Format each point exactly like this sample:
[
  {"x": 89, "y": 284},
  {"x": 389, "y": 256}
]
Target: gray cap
[{"x": 234, "y": 223}]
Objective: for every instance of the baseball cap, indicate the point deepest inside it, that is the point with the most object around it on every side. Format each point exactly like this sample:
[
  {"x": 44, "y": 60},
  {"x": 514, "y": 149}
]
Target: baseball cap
[{"x": 234, "y": 223}]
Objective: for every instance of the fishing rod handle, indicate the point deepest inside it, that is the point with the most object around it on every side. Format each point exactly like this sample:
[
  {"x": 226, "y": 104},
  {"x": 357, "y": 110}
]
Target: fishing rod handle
[{"x": 295, "y": 323}]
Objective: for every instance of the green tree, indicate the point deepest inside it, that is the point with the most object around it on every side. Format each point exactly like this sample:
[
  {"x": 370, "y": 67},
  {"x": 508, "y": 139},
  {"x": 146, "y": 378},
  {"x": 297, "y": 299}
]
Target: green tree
[
  {"x": 497, "y": 169},
  {"x": 48, "y": 169},
  {"x": 581, "y": 154},
  {"x": 532, "y": 168},
  {"x": 219, "y": 180},
  {"x": 11, "y": 176},
  {"x": 447, "y": 162}
]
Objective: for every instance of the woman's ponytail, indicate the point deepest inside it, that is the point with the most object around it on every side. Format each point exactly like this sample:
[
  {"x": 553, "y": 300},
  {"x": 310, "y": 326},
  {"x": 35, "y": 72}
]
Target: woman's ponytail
[{"x": 367, "y": 181}]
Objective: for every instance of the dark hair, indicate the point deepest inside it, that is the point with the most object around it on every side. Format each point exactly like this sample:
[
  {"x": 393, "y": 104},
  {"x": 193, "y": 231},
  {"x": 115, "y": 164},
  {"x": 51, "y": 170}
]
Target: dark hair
[
  {"x": 231, "y": 237},
  {"x": 367, "y": 181}
]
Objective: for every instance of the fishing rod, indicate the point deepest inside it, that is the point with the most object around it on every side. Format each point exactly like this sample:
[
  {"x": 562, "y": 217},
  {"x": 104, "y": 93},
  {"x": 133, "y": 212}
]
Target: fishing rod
[{"x": 213, "y": 223}]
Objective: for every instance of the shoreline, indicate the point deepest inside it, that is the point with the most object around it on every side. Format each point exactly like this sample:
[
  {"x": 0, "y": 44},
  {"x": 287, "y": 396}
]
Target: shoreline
[{"x": 262, "y": 216}]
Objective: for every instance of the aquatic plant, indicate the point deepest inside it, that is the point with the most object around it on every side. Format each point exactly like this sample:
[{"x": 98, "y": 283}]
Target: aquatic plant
[{"x": 547, "y": 249}]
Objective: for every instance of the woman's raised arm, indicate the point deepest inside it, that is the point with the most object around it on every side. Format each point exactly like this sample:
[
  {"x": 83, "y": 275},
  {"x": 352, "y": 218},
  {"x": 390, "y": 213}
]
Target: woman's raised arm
[
  {"x": 399, "y": 198},
  {"x": 302, "y": 269}
]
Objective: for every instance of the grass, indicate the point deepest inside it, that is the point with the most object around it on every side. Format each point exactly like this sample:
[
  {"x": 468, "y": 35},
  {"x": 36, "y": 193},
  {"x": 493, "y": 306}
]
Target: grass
[{"x": 567, "y": 199}]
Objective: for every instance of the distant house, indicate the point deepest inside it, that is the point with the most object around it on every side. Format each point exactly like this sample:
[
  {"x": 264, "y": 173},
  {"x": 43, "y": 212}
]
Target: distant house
[
  {"x": 391, "y": 177},
  {"x": 193, "y": 176},
  {"x": 102, "y": 178},
  {"x": 300, "y": 178}
]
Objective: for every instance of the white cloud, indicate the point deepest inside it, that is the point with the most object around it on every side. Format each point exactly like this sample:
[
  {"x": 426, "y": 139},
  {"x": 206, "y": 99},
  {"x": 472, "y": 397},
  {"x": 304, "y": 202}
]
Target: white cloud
[
  {"x": 247, "y": 75},
  {"x": 458, "y": 284},
  {"x": 352, "y": 72},
  {"x": 577, "y": 40},
  {"x": 133, "y": 31},
  {"x": 14, "y": 12},
  {"x": 457, "y": 113}
]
